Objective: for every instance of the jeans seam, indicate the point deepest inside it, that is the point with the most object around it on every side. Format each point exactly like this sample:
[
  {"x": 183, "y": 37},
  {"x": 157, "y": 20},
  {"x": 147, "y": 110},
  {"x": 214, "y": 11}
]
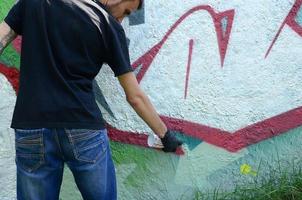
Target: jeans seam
[
  {"x": 29, "y": 155},
  {"x": 91, "y": 146},
  {"x": 35, "y": 141},
  {"x": 58, "y": 143},
  {"x": 86, "y": 136},
  {"x": 29, "y": 131},
  {"x": 72, "y": 143},
  {"x": 27, "y": 144}
]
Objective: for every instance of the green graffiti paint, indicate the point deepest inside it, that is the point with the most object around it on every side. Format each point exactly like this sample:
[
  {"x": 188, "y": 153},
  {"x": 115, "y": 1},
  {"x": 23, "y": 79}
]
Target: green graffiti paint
[
  {"x": 5, "y": 6},
  {"x": 9, "y": 57},
  {"x": 69, "y": 189},
  {"x": 150, "y": 170},
  {"x": 188, "y": 140}
]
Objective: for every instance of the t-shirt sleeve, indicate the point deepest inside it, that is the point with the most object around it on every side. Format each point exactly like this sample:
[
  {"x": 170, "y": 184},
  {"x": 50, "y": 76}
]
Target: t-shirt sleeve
[
  {"x": 117, "y": 50},
  {"x": 14, "y": 17}
]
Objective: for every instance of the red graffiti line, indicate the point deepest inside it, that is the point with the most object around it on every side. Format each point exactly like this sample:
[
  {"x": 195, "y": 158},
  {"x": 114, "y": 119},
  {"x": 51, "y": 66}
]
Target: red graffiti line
[
  {"x": 222, "y": 36},
  {"x": 17, "y": 44},
  {"x": 291, "y": 22},
  {"x": 191, "y": 43},
  {"x": 242, "y": 138},
  {"x": 229, "y": 141}
]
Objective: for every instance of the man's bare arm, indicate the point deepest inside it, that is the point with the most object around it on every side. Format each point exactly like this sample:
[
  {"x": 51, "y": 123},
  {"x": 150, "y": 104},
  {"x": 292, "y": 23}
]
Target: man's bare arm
[
  {"x": 6, "y": 36},
  {"x": 143, "y": 107},
  {"x": 141, "y": 103}
]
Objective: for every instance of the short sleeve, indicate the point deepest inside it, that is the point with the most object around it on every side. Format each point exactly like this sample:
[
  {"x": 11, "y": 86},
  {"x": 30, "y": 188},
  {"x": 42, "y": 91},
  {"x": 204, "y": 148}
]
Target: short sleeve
[
  {"x": 14, "y": 17},
  {"x": 117, "y": 54}
]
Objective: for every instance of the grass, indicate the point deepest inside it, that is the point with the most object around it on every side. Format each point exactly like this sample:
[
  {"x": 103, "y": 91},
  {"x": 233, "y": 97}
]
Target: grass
[{"x": 278, "y": 184}]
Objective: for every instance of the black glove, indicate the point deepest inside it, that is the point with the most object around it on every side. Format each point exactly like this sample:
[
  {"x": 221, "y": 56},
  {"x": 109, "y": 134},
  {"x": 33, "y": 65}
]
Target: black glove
[{"x": 170, "y": 142}]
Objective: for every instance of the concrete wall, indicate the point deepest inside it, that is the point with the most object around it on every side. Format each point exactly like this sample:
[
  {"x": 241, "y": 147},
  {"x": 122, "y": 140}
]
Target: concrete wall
[{"x": 225, "y": 76}]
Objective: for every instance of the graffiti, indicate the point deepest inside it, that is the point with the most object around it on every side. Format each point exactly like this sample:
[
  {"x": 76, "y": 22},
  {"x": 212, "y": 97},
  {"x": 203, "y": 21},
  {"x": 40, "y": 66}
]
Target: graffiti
[
  {"x": 188, "y": 66},
  {"x": 17, "y": 44},
  {"x": 11, "y": 74},
  {"x": 242, "y": 138},
  {"x": 223, "y": 34},
  {"x": 231, "y": 141},
  {"x": 99, "y": 97},
  {"x": 204, "y": 69},
  {"x": 292, "y": 20},
  {"x": 247, "y": 170}
]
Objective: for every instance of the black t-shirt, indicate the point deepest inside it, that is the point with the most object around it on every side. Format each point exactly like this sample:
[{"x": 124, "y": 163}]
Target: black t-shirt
[{"x": 64, "y": 45}]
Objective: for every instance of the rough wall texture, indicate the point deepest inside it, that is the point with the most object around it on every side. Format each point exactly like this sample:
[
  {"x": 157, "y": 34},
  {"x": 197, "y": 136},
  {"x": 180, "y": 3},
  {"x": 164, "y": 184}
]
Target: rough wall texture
[{"x": 224, "y": 75}]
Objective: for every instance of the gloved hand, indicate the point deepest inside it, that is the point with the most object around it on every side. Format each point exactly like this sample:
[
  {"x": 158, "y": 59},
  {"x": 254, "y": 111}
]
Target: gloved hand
[{"x": 170, "y": 142}]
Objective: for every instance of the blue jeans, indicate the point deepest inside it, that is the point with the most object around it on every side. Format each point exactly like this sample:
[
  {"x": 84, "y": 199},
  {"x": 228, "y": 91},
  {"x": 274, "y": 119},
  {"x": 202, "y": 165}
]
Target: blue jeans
[{"x": 40, "y": 158}]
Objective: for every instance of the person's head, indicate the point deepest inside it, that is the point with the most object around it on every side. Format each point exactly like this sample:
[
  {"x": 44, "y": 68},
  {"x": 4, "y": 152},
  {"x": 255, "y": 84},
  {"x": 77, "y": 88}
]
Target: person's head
[{"x": 119, "y": 9}]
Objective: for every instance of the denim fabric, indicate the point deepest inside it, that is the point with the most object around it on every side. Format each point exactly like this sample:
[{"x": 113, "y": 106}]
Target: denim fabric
[{"x": 40, "y": 158}]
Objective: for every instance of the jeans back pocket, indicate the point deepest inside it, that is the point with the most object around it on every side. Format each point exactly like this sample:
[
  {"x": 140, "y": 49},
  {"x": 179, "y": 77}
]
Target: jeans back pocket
[
  {"x": 29, "y": 149},
  {"x": 88, "y": 145}
]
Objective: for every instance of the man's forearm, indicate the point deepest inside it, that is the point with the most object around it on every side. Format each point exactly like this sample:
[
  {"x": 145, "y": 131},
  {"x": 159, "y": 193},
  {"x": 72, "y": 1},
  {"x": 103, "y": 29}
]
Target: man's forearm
[
  {"x": 144, "y": 108},
  {"x": 141, "y": 103},
  {"x": 6, "y": 36}
]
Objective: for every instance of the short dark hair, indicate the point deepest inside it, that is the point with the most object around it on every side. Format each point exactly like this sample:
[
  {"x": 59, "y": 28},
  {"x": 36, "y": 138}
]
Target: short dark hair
[{"x": 140, "y": 4}]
